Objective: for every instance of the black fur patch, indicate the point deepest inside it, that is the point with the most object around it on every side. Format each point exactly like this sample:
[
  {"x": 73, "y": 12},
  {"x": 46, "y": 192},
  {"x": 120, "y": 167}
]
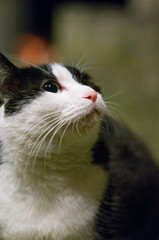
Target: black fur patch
[
  {"x": 82, "y": 78},
  {"x": 129, "y": 209},
  {"x": 24, "y": 85}
]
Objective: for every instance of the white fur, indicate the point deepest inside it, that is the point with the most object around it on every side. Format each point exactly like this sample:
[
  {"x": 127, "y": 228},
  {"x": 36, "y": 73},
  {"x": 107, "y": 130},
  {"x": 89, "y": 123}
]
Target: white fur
[{"x": 51, "y": 195}]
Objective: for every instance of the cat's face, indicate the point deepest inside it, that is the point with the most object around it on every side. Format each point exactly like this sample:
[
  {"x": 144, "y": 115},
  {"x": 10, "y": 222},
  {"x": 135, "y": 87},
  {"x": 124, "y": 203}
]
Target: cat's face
[{"x": 48, "y": 101}]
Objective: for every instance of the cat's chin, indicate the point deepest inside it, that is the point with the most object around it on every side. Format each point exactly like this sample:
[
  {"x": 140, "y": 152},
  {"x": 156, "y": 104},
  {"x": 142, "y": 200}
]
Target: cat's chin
[
  {"x": 88, "y": 122},
  {"x": 91, "y": 118}
]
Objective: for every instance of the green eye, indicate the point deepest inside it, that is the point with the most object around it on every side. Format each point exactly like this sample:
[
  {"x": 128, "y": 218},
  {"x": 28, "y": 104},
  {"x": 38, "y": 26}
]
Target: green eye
[{"x": 51, "y": 87}]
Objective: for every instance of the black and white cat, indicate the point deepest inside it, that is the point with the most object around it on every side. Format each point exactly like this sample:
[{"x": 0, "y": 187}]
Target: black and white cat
[{"x": 63, "y": 174}]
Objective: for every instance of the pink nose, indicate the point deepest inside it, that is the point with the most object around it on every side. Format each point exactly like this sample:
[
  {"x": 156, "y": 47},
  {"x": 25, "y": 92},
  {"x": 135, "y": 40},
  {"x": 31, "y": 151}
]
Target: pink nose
[{"x": 92, "y": 95}]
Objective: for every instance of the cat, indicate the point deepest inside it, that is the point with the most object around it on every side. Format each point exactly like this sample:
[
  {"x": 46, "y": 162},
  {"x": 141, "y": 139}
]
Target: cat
[{"x": 68, "y": 171}]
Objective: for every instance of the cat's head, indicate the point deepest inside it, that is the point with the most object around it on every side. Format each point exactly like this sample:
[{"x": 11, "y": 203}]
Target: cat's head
[{"x": 47, "y": 101}]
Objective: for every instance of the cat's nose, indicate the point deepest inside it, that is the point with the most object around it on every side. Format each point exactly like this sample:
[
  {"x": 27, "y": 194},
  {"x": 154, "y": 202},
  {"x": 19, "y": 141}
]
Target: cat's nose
[{"x": 92, "y": 95}]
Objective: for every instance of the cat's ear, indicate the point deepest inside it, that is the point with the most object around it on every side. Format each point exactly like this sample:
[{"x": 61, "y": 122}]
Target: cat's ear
[
  {"x": 5, "y": 65},
  {"x": 7, "y": 70}
]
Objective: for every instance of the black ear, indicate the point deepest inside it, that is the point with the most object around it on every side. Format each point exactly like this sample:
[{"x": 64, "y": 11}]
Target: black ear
[
  {"x": 7, "y": 70},
  {"x": 5, "y": 64}
]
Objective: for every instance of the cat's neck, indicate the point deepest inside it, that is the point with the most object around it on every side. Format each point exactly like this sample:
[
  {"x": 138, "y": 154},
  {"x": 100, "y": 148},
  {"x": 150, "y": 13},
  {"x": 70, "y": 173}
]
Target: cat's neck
[
  {"x": 49, "y": 181},
  {"x": 65, "y": 161}
]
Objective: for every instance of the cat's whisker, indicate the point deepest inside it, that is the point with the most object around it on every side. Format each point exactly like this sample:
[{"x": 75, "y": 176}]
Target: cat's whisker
[
  {"x": 77, "y": 123},
  {"x": 42, "y": 126},
  {"x": 45, "y": 130},
  {"x": 86, "y": 66},
  {"x": 112, "y": 117},
  {"x": 84, "y": 69},
  {"x": 24, "y": 138},
  {"x": 43, "y": 119},
  {"x": 36, "y": 150},
  {"x": 116, "y": 109},
  {"x": 73, "y": 126},
  {"x": 71, "y": 57},
  {"x": 110, "y": 114},
  {"x": 29, "y": 158},
  {"x": 50, "y": 143},
  {"x": 69, "y": 114},
  {"x": 85, "y": 126},
  {"x": 106, "y": 124},
  {"x": 112, "y": 103},
  {"x": 61, "y": 124},
  {"x": 44, "y": 162},
  {"x": 82, "y": 58},
  {"x": 64, "y": 134},
  {"x": 52, "y": 127},
  {"x": 113, "y": 95}
]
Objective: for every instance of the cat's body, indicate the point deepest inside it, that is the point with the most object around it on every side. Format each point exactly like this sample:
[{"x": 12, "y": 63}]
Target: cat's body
[{"x": 64, "y": 175}]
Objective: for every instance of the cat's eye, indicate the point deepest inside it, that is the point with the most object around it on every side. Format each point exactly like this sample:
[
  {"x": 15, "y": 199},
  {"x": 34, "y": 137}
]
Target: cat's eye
[{"x": 51, "y": 87}]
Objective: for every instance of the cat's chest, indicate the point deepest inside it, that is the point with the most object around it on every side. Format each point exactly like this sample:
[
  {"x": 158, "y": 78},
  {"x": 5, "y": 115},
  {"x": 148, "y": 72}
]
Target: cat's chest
[
  {"x": 63, "y": 214},
  {"x": 68, "y": 218}
]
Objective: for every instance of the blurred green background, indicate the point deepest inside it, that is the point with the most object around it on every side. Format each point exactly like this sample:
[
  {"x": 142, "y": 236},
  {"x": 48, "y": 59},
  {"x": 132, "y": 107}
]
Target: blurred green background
[{"x": 119, "y": 47}]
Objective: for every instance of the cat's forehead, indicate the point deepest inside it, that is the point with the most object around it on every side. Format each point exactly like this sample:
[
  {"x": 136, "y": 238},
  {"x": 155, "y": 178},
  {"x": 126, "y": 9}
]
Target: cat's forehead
[
  {"x": 68, "y": 74},
  {"x": 62, "y": 74}
]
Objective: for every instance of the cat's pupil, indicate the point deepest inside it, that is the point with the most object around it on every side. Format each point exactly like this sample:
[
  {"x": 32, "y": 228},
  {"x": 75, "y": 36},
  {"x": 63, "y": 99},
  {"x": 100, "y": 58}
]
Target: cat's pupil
[{"x": 51, "y": 87}]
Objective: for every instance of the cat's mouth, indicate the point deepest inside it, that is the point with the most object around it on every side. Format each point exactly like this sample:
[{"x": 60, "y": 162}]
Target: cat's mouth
[{"x": 85, "y": 119}]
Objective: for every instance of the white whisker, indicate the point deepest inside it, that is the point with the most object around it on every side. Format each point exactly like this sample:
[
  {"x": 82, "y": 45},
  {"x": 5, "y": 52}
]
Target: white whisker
[
  {"x": 48, "y": 123},
  {"x": 42, "y": 141},
  {"x": 73, "y": 125},
  {"x": 114, "y": 95},
  {"x": 63, "y": 134},
  {"x": 59, "y": 126},
  {"x": 43, "y": 119},
  {"x": 82, "y": 58},
  {"x": 78, "y": 128}
]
